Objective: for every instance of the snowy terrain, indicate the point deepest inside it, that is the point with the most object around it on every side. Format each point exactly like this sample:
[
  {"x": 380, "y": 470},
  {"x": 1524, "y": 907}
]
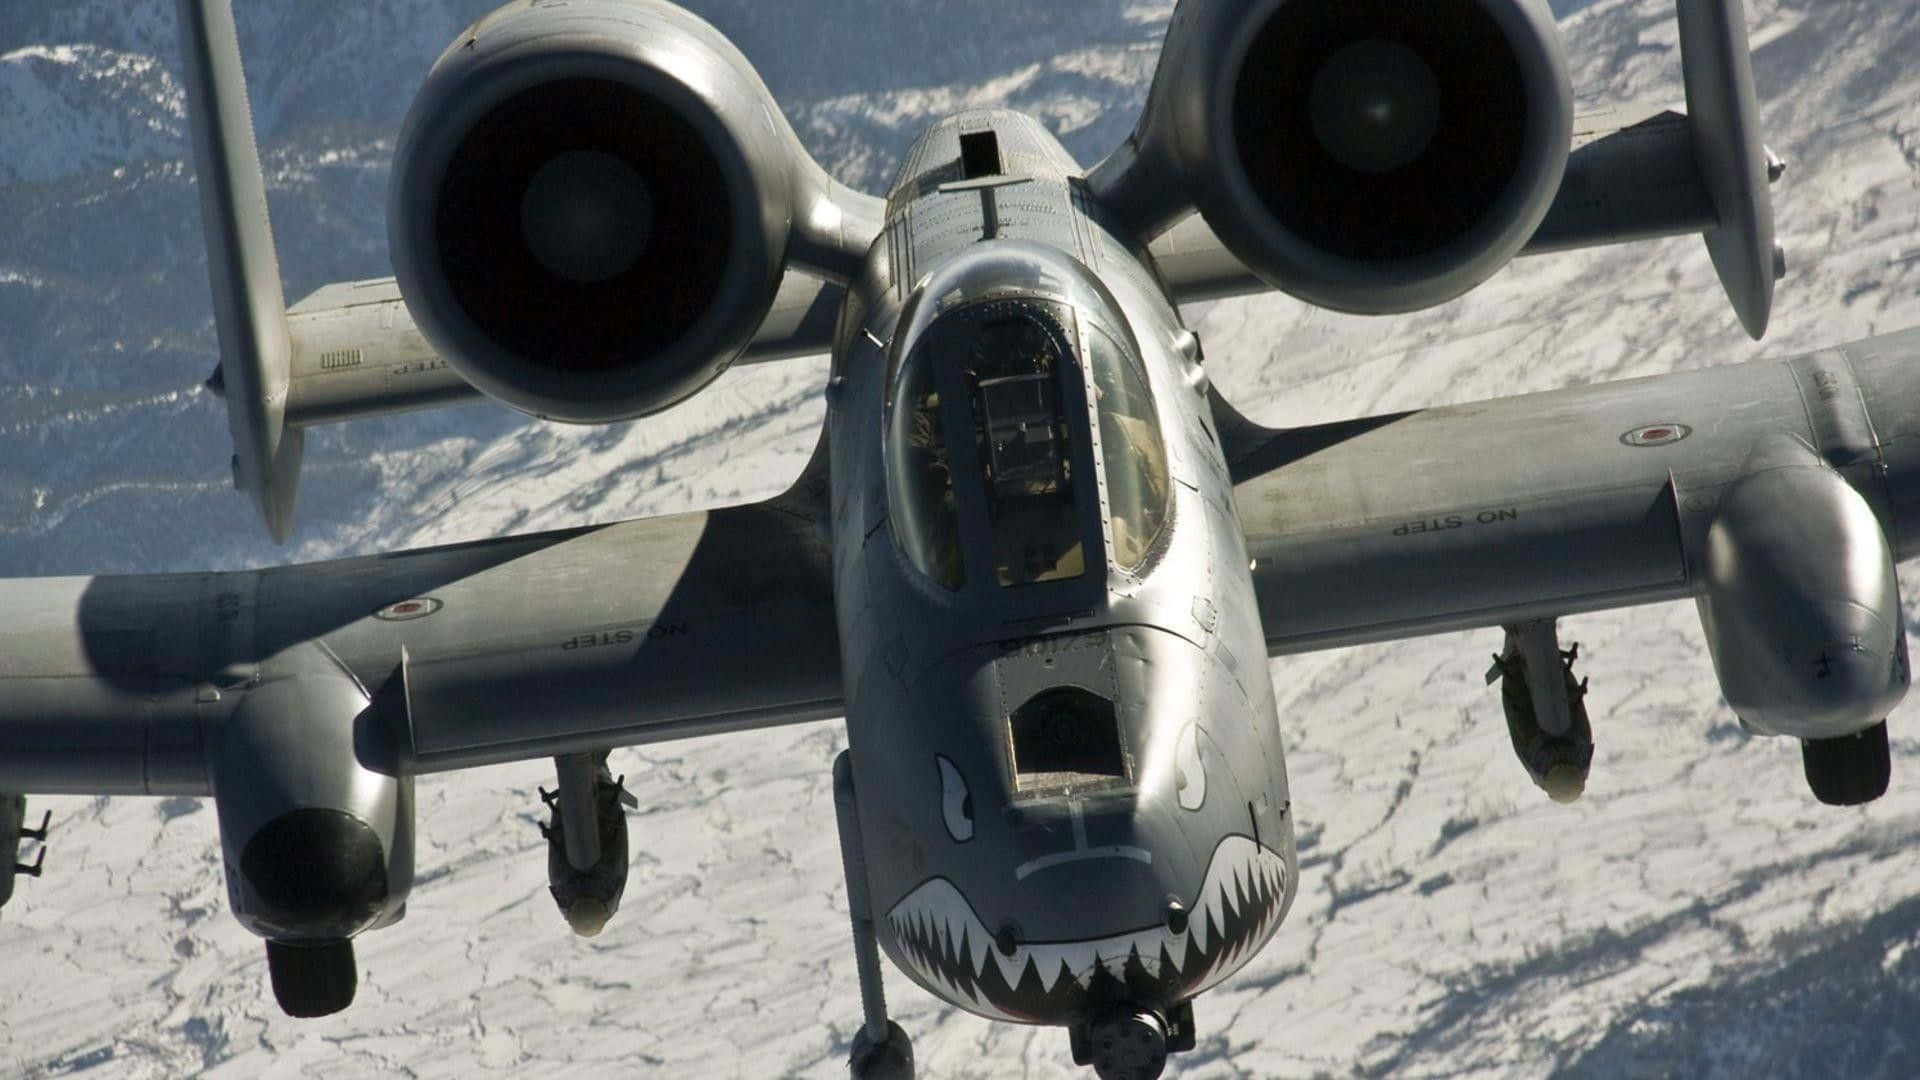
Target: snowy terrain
[{"x": 1697, "y": 914}]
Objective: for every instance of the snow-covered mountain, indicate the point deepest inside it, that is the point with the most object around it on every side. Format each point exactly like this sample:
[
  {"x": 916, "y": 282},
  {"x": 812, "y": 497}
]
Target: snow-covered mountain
[{"x": 1695, "y": 914}]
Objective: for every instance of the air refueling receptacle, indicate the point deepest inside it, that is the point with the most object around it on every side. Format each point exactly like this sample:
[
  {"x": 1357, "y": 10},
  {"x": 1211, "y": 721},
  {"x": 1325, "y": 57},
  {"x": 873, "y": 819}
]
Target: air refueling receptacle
[
  {"x": 1546, "y": 708},
  {"x": 586, "y": 841}
]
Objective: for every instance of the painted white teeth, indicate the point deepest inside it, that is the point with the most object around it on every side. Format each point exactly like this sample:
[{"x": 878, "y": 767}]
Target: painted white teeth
[
  {"x": 942, "y": 934},
  {"x": 1217, "y": 902},
  {"x": 1010, "y": 966},
  {"x": 977, "y": 957}
]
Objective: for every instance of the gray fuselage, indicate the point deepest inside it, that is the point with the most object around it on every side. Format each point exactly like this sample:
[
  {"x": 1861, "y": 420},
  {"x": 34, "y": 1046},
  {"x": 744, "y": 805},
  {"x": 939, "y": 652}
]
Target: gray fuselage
[{"x": 1072, "y": 792}]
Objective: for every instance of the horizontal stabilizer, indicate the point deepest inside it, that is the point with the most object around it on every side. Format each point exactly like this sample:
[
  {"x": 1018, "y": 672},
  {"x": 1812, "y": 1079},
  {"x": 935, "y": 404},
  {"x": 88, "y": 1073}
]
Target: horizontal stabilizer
[{"x": 354, "y": 350}]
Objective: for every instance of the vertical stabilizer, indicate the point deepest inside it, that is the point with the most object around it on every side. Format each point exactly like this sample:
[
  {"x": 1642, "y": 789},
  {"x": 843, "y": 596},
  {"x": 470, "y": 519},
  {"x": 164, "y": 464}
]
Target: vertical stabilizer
[
  {"x": 1664, "y": 174},
  {"x": 1727, "y": 151},
  {"x": 248, "y": 306}
]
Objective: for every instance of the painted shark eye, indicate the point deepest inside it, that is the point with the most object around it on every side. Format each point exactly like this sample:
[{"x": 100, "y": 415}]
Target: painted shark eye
[
  {"x": 956, "y": 804},
  {"x": 1189, "y": 775}
]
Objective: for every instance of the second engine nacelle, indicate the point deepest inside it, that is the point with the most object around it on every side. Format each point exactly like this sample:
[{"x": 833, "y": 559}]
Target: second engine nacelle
[
  {"x": 591, "y": 206},
  {"x": 1370, "y": 156}
]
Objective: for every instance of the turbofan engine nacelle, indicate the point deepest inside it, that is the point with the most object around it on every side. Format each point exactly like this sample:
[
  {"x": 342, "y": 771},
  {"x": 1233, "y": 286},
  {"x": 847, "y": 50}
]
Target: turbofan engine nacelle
[
  {"x": 1370, "y": 156},
  {"x": 1799, "y": 601},
  {"x": 591, "y": 205}
]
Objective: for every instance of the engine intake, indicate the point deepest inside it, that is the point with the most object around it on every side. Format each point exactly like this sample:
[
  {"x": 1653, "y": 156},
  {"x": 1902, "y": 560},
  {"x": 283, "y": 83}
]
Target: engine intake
[
  {"x": 582, "y": 223},
  {"x": 591, "y": 206},
  {"x": 1379, "y": 130},
  {"x": 1371, "y": 156}
]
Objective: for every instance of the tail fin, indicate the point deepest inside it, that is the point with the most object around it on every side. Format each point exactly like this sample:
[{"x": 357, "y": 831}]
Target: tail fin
[
  {"x": 1727, "y": 150},
  {"x": 1666, "y": 174},
  {"x": 248, "y": 307}
]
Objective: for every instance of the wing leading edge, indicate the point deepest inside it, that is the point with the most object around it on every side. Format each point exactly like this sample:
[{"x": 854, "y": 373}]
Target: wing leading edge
[{"x": 476, "y": 653}]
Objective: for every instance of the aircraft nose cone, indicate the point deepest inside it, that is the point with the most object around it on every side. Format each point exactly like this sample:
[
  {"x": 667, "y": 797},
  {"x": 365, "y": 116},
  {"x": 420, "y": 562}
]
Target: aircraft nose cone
[
  {"x": 586, "y": 216},
  {"x": 1374, "y": 106}
]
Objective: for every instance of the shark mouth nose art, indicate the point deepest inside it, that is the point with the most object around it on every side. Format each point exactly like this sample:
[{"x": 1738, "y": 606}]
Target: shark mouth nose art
[{"x": 949, "y": 948}]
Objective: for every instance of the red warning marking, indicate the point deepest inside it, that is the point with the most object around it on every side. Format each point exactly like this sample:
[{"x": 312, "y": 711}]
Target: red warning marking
[{"x": 416, "y": 608}]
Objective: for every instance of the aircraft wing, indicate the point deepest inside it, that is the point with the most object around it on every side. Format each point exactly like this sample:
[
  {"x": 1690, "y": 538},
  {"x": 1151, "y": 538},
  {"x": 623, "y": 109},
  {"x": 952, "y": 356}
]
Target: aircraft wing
[
  {"x": 499, "y": 650},
  {"x": 1546, "y": 504}
]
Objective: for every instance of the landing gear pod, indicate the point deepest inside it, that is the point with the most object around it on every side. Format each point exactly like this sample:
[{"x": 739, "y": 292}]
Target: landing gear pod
[
  {"x": 1802, "y": 616},
  {"x": 318, "y": 842}
]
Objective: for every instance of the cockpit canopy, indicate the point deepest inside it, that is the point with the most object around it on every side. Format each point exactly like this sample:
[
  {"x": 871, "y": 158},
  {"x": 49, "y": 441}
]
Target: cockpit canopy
[{"x": 1015, "y": 381}]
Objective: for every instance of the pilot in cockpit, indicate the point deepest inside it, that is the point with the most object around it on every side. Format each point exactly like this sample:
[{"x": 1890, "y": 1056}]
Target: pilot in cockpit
[{"x": 1014, "y": 368}]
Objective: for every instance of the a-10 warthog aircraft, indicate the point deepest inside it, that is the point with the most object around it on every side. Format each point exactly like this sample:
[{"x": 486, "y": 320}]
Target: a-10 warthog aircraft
[{"x": 1036, "y": 561}]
